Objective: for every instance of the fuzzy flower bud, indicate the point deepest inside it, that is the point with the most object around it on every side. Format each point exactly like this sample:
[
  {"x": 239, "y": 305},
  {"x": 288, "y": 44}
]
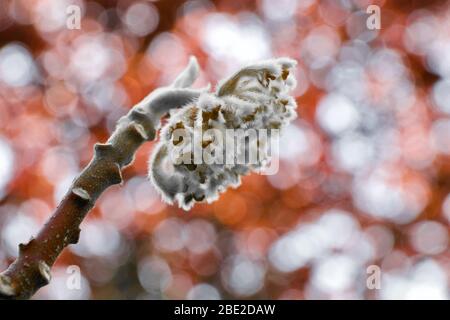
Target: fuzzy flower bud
[{"x": 191, "y": 163}]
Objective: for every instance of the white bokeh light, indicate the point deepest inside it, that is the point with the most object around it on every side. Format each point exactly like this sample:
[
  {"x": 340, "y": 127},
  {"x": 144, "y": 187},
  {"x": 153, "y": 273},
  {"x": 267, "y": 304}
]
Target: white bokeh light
[
  {"x": 446, "y": 207},
  {"x": 158, "y": 48},
  {"x": 335, "y": 273},
  {"x": 320, "y": 47},
  {"x": 379, "y": 196},
  {"x": 239, "y": 42},
  {"x": 335, "y": 230},
  {"x": 441, "y": 95},
  {"x": 438, "y": 57},
  {"x": 300, "y": 144},
  {"x": 199, "y": 236},
  {"x": 419, "y": 32},
  {"x": 425, "y": 280},
  {"x": 279, "y": 10},
  {"x": 141, "y": 18},
  {"x": 429, "y": 237},
  {"x": 336, "y": 114},
  {"x": 168, "y": 235},
  {"x": 352, "y": 152},
  {"x": 6, "y": 164},
  {"x": 18, "y": 229},
  {"x": 16, "y": 66},
  {"x": 94, "y": 57},
  {"x": 203, "y": 291},
  {"x": 99, "y": 238},
  {"x": 440, "y": 131},
  {"x": 242, "y": 276},
  {"x": 154, "y": 274}
]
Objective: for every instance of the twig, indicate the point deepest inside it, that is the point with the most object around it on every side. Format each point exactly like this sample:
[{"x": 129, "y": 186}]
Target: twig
[{"x": 31, "y": 270}]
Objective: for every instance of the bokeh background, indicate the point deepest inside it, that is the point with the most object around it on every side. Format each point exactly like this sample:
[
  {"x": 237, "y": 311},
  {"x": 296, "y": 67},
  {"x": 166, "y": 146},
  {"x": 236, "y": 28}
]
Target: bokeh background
[{"x": 365, "y": 171}]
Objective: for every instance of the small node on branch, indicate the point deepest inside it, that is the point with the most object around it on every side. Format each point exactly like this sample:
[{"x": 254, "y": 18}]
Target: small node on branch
[
  {"x": 74, "y": 236},
  {"x": 104, "y": 150},
  {"x": 81, "y": 193},
  {"x": 142, "y": 118},
  {"x": 5, "y": 287},
  {"x": 116, "y": 174},
  {"x": 140, "y": 130},
  {"x": 44, "y": 271}
]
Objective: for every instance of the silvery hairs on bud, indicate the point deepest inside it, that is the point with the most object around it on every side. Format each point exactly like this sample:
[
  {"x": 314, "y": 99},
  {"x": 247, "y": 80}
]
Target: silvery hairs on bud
[{"x": 255, "y": 97}]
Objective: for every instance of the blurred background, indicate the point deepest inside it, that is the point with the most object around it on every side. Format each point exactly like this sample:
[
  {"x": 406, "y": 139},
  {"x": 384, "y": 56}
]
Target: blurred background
[{"x": 365, "y": 171}]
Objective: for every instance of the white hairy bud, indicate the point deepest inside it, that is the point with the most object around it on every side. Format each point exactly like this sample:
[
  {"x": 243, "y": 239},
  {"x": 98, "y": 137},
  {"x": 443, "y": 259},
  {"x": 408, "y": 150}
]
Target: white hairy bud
[{"x": 254, "y": 98}]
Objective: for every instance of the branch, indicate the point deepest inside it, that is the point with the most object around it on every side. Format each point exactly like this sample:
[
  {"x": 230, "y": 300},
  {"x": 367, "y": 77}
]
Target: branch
[{"x": 31, "y": 270}]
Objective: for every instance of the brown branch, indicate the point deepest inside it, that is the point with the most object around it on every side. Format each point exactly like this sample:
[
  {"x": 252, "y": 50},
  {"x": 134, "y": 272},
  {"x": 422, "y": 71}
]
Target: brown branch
[{"x": 31, "y": 269}]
